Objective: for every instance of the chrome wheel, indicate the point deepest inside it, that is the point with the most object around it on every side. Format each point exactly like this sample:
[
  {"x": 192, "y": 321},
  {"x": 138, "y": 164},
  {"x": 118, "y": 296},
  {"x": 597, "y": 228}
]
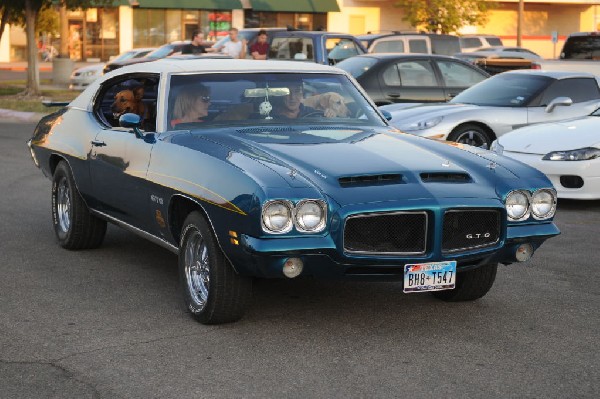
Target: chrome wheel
[
  {"x": 473, "y": 137},
  {"x": 197, "y": 269},
  {"x": 63, "y": 205}
]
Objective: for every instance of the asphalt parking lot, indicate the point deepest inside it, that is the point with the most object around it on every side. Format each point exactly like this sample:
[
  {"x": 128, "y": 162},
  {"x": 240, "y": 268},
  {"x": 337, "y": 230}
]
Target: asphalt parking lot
[{"x": 108, "y": 323}]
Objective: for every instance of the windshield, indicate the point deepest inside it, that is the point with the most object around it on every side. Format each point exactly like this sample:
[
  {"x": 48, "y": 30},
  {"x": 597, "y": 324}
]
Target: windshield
[
  {"x": 263, "y": 99},
  {"x": 161, "y": 52},
  {"x": 505, "y": 90},
  {"x": 582, "y": 47},
  {"x": 357, "y": 66}
]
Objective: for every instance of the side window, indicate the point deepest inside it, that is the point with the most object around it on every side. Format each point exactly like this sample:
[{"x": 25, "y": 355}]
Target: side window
[
  {"x": 470, "y": 42},
  {"x": 135, "y": 95},
  {"x": 390, "y": 76},
  {"x": 340, "y": 49},
  {"x": 418, "y": 46},
  {"x": 389, "y": 46},
  {"x": 417, "y": 73},
  {"x": 292, "y": 48},
  {"x": 458, "y": 75},
  {"x": 578, "y": 89}
]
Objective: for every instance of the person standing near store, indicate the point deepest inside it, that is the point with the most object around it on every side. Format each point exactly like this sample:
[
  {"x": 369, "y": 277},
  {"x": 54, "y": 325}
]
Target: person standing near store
[
  {"x": 235, "y": 48},
  {"x": 260, "y": 49},
  {"x": 195, "y": 47}
]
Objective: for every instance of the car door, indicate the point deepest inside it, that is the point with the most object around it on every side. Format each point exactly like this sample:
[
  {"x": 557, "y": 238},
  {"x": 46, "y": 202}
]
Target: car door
[
  {"x": 119, "y": 158},
  {"x": 411, "y": 80},
  {"x": 584, "y": 93},
  {"x": 457, "y": 76}
]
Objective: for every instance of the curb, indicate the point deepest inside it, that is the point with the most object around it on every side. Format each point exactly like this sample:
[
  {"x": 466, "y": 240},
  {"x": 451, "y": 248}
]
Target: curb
[{"x": 8, "y": 115}]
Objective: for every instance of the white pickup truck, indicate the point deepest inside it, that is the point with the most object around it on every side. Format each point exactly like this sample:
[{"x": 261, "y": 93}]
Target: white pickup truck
[{"x": 580, "y": 53}]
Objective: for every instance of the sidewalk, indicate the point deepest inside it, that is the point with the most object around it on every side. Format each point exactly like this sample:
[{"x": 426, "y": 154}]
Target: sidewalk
[{"x": 44, "y": 66}]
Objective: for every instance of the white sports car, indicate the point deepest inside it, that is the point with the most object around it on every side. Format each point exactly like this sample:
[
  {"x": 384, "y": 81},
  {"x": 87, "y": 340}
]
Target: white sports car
[
  {"x": 568, "y": 152},
  {"x": 500, "y": 104}
]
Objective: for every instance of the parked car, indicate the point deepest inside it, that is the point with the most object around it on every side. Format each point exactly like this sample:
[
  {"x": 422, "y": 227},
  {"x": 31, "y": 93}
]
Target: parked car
[
  {"x": 368, "y": 38},
  {"x": 320, "y": 47},
  {"x": 393, "y": 78},
  {"x": 499, "y": 52},
  {"x": 502, "y": 103},
  {"x": 470, "y": 43},
  {"x": 82, "y": 77},
  {"x": 567, "y": 152},
  {"x": 247, "y": 192},
  {"x": 422, "y": 43},
  {"x": 580, "y": 53},
  {"x": 157, "y": 54}
]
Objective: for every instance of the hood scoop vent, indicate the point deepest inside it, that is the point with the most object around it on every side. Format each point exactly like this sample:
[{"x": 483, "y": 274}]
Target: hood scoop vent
[
  {"x": 445, "y": 177},
  {"x": 267, "y": 130},
  {"x": 370, "y": 180}
]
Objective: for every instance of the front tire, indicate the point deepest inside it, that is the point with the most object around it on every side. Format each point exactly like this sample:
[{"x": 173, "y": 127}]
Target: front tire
[
  {"x": 75, "y": 227},
  {"x": 470, "y": 284},
  {"x": 471, "y": 134},
  {"x": 212, "y": 291}
]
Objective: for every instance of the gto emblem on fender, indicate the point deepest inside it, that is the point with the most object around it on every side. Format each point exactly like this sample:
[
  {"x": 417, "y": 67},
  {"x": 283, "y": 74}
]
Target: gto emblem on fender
[
  {"x": 478, "y": 235},
  {"x": 156, "y": 199}
]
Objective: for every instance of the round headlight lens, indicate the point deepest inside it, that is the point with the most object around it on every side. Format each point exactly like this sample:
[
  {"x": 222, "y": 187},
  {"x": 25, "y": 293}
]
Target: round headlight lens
[
  {"x": 277, "y": 217},
  {"x": 543, "y": 204},
  {"x": 310, "y": 216},
  {"x": 517, "y": 205}
]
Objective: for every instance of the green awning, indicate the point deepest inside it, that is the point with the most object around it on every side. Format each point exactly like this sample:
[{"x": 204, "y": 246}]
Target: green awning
[
  {"x": 295, "y": 5},
  {"x": 187, "y": 4}
]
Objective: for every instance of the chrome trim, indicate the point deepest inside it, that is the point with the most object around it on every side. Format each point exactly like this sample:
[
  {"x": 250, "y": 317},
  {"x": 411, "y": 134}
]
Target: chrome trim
[
  {"x": 552, "y": 211},
  {"x": 375, "y": 214},
  {"x": 527, "y": 212},
  {"x": 322, "y": 224},
  {"x": 139, "y": 232},
  {"x": 476, "y": 246},
  {"x": 290, "y": 225}
]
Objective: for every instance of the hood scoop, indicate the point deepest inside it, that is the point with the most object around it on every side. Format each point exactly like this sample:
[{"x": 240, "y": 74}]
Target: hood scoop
[
  {"x": 445, "y": 177},
  {"x": 370, "y": 180}
]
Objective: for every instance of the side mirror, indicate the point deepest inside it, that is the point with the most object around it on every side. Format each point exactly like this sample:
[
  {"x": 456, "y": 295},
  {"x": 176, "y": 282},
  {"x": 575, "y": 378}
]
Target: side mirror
[
  {"x": 386, "y": 114},
  {"x": 133, "y": 121},
  {"x": 558, "y": 101}
]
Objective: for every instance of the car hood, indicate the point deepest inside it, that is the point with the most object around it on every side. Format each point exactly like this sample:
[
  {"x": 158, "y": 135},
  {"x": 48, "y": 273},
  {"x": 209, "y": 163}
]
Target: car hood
[
  {"x": 326, "y": 165},
  {"x": 558, "y": 136},
  {"x": 402, "y": 113}
]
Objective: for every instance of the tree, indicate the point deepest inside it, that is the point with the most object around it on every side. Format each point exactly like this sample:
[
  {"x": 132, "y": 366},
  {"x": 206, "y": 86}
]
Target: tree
[
  {"x": 445, "y": 16},
  {"x": 10, "y": 13}
]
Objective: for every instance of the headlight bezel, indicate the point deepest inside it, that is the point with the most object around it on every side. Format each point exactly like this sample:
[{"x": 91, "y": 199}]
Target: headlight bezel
[
  {"x": 290, "y": 223},
  {"x": 422, "y": 124},
  {"x": 293, "y": 223},
  {"x": 527, "y": 212},
  {"x": 323, "y": 220},
  {"x": 552, "y": 211}
]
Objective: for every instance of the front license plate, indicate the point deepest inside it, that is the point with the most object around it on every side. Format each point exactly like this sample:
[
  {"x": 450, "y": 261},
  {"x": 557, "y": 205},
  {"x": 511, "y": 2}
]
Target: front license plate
[{"x": 436, "y": 276}]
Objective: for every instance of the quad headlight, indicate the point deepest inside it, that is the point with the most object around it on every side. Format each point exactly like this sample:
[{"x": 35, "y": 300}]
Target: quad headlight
[
  {"x": 543, "y": 204},
  {"x": 517, "y": 205},
  {"x": 280, "y": 216},
  {"x": 582, "y": 154},
  {"x": 310, "y": 216},
  {"x": 277, "y": 216},
  {"x": 520, "y": 204}
]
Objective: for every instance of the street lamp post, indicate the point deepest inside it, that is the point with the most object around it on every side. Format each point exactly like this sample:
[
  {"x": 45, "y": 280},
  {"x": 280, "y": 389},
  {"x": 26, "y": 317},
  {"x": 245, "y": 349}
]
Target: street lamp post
[{"x": 520, "y": 22}]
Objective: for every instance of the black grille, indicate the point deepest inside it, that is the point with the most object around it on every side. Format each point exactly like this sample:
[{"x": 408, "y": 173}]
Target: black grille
[
  {"x": 366, "y": 180},
  {"x": 438, "y": 177},
  {"x": 391, "y": 233},
  {"x": 469, "y": 229}
]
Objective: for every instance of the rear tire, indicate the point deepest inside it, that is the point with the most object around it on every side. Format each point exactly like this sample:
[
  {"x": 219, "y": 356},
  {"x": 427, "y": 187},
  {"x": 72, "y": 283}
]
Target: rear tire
[
  {"x": 212, "y": 291},
  {"x": 75, "y": 227},
  {"x": 470, "y": 284},
  {"x": 473, "y": 135}
]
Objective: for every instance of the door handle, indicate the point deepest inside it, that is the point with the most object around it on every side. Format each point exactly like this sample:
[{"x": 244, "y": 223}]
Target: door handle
[
  {"x": 393, "y": 95},
  {"x": 98, "y": 143}
]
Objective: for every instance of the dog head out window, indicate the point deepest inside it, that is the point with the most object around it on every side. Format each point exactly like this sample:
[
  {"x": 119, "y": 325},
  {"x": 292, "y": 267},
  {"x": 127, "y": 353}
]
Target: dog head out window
[{"x": 132, "y": 95}]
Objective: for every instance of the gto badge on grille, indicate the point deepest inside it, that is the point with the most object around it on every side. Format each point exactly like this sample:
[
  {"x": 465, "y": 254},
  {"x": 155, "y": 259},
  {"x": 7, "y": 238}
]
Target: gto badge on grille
[{"x": 478, "y": 235}]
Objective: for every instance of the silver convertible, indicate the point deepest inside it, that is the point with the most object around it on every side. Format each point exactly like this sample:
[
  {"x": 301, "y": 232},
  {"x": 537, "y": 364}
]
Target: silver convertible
[{"x": 500, "y": 104}]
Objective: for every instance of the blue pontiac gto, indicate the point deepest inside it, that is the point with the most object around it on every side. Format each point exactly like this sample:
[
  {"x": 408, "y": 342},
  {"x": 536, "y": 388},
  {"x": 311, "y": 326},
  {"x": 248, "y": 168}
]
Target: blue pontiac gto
[{"x": 281, "y": 169}]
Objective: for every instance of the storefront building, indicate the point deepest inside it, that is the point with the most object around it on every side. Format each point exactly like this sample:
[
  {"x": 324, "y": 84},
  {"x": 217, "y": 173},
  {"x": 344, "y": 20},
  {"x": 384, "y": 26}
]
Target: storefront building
[{"x": 96, "y": 34}]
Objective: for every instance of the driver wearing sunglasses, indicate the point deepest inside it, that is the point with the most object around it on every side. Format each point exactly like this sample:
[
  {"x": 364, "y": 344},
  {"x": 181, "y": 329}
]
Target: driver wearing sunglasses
[{"x": 191, "y": 105}]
